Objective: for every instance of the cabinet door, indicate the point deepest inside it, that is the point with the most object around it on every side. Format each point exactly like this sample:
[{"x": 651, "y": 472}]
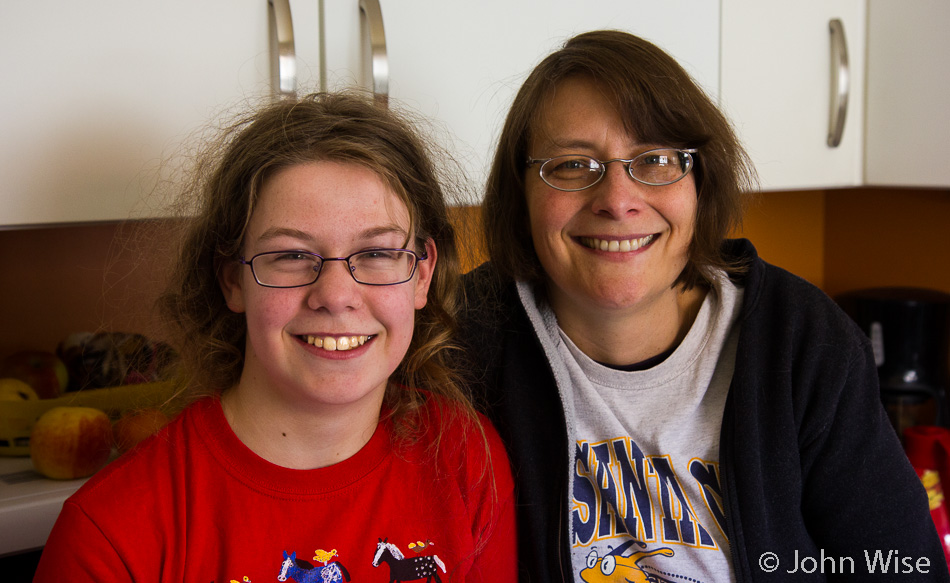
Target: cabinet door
[
  {"x": 460, "y": 63},
  {"x": 908, "y": 108},
  {"x": 776, "y": 88},
  {"x": 98, "y": 94}
]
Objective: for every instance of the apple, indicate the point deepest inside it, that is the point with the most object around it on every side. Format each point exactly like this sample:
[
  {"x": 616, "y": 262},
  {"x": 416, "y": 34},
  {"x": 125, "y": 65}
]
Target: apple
[
  {"x": 71, "y": 442},
  {"x": 134, "y": 426},
  {"x": 16, "y": 390},
  {"x": 44, "y": 371}
]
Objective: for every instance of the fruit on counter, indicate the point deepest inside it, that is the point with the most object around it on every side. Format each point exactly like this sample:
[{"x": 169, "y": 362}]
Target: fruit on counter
[
  {"x": 134, "y": 426},
  {"x": 16, "y": 390},
  {"x": 71, "y": 442},
  {"x": 44, "y": 371}
]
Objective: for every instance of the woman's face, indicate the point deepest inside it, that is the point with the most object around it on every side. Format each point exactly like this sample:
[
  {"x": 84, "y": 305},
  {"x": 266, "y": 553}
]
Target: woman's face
[
  {"x": 334, "y": 210},
  {"x": 568, "y": 228}
]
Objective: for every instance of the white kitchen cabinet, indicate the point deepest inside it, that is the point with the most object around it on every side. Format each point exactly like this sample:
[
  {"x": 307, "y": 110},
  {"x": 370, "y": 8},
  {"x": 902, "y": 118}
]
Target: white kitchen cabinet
[
  {"x": 908, "y": 94},
  {"x": 460, "y": 63},
  {"x": 776, "y": 88},
  {"x": 96, "y": 94}
]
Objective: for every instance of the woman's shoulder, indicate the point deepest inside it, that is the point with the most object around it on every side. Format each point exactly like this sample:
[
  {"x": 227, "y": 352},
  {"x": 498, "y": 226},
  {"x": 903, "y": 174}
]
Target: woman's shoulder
[{"x": 782, "y": 307}]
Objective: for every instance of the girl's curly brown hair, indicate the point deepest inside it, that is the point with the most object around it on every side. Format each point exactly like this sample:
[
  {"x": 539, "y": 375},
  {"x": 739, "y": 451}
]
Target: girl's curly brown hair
[{"x": 226, "y": 182}]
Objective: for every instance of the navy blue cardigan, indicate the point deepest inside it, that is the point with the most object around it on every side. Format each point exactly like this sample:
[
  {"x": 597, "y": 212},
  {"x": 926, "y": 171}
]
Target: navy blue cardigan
[{"x": 809, "y": 463}]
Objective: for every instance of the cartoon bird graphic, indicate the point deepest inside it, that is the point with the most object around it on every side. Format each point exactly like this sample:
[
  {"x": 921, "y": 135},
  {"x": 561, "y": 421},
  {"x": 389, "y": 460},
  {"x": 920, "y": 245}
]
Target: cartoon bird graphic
[
  {"x": 419, "y": 546},
  {"x": 324, "y": 556},
  {"x": 246, "y": 580}
]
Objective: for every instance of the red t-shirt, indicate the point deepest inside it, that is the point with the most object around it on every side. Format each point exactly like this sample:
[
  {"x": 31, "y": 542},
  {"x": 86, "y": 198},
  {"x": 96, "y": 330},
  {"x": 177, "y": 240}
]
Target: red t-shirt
[{"x": 193, "y": 503}]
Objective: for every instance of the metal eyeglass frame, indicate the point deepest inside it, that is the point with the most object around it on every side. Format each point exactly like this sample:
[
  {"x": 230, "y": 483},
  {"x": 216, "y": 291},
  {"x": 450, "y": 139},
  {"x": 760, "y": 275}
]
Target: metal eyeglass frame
[
  {"x": 323, "y": 260},
  {"x": 603, "y": 167}
]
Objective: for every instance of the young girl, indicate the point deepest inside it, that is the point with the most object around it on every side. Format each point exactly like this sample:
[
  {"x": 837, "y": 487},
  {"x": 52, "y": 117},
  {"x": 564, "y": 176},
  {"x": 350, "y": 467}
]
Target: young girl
[{"x": 315, "y": 294}]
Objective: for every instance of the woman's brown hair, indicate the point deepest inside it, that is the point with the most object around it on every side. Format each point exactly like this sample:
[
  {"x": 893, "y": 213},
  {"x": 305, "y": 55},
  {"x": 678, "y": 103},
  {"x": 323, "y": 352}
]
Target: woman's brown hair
[
  {"x": 660, "y": 104},
  {"x": 342, "y": 127}
]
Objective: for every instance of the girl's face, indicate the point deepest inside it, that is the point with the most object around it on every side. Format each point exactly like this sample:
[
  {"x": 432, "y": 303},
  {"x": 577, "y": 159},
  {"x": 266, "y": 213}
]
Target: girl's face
[{"x": 334, "y": 209}]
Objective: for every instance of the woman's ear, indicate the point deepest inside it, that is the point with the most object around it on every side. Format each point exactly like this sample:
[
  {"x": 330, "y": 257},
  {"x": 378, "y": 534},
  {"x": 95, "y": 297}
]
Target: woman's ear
[
  {"x": 425, "y": 268},
  {"x": 230, "y": 279}
]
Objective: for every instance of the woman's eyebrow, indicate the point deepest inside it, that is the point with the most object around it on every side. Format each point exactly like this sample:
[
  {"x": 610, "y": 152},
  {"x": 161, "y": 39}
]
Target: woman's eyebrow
[{"x": 579, "y": 144}]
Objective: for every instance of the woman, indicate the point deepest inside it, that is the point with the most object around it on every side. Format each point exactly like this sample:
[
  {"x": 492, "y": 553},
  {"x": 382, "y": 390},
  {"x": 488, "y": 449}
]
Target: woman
[{"x": 675, "y": 408}]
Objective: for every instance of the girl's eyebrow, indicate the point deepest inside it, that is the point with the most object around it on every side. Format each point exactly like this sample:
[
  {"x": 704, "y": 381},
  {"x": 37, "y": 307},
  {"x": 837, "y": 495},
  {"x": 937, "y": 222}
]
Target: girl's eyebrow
[
  {"x": 275, "y": 232},
  {"x": 383, "y": 230},
  {"x": 371, "y": 233}
]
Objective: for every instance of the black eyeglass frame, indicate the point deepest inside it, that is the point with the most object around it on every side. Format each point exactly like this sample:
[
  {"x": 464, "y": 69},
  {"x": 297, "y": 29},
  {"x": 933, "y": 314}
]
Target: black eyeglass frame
[
  {"x": 688, "y": 153},
  {"x": 349, "y": 267}
]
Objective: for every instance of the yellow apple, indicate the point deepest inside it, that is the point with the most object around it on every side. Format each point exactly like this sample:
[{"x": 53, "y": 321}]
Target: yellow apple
[
  {"x": 134, "y": 426},
  {"x": 71, "y": 442},
  {"x": 44, "y": 371},
  {"x": 16, "y": 390}
]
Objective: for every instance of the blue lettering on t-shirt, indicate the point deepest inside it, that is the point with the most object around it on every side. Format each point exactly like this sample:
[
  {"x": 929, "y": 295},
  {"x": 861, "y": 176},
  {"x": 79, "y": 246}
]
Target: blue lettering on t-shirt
[
  {"x": 614, "y": 486},
  {"x": 679, "y": 524},
  {"x": 707, "y": 476}
]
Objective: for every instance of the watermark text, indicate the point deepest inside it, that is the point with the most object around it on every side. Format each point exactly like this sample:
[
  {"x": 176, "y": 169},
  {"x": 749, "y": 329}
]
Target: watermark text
[{"x": 880, "y": 561}]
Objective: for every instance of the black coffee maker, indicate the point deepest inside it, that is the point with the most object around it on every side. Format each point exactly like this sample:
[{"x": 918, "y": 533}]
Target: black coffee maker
[{"x": 909, "y": 330}]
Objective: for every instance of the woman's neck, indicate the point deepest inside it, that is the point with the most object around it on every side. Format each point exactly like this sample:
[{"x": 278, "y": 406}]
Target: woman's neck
[
  {"x": 623, "y": 337},
  {"x": 296, "y": 437}
]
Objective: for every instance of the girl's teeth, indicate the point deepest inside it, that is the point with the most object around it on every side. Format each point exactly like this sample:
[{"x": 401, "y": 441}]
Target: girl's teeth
[
  {"x": 616, "y": 246},
  {"x": 337, "y": 342}
]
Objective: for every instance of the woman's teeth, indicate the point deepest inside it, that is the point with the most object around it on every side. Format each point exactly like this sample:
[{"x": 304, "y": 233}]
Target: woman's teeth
[
  {"x": 616, "y": 246},
  {"x": 337, "y": 342}
]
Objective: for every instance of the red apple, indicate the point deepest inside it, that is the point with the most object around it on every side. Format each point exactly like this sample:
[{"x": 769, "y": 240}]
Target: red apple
[
  {"x": 134, "y": 426},
  {"x": 71, "y": 442},
  {"x": 44, "y": 371}
]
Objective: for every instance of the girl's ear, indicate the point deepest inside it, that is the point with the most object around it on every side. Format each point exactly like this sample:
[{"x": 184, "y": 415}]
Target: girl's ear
[
  {"x": 230, "y": 279},
  {"x": 425, "y": 268}
]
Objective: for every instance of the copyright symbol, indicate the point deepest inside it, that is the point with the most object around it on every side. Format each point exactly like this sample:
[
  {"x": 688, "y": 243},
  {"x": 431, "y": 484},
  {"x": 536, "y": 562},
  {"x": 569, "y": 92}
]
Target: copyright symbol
[{"x": 768, "y": 562}]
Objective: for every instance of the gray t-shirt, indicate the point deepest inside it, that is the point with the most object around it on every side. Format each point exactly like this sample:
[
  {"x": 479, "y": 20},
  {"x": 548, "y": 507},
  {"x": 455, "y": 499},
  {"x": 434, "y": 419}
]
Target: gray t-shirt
[{"x": 645, "y": 488}]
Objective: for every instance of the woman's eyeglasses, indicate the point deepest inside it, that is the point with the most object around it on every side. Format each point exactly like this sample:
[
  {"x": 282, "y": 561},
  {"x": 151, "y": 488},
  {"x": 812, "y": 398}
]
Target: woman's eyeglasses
[{"x": 657, "y": 167}]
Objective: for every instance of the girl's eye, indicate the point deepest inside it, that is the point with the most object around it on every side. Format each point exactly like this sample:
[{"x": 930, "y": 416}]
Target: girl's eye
[
  {"x": 291, "y": 256},
  {"x": 380, "y": 255}
]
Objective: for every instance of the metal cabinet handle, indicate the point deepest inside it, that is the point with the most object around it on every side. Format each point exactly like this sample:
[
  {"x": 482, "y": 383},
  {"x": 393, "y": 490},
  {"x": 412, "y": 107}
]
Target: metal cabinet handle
[
  {"x": 282, "y": 26},
  {"x": 840, "y": 82},
  {"x": 377, "y": 43}
]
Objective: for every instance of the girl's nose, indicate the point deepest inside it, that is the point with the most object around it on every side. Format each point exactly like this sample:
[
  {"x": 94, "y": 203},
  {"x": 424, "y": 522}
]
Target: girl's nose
[
  {"x": 617, "y": 194},
  {"x": 335, "y": 289}
]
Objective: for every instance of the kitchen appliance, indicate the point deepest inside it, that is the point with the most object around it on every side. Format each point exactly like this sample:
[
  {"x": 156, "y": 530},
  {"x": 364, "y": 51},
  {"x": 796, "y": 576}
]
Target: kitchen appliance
[
  {"x": 909, "y": 330},
  {"x": 928, "y": 449}
]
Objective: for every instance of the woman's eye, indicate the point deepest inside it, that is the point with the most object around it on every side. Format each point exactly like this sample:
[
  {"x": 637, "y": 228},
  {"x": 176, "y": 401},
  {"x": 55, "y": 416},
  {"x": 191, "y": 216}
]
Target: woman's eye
[
  {"x": 655, "y": 160},
  {"x": 573, "y": 164},
  {"x": 663, "y": 158}
]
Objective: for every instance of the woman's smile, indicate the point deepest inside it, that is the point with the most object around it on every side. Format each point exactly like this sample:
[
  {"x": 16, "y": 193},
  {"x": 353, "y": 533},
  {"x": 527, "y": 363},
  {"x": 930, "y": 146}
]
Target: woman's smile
[{"x": 615, "y": 245}]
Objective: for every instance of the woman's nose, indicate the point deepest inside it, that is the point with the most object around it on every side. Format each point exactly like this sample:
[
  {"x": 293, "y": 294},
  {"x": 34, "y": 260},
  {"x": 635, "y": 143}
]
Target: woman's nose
[
  {"x": 335, "y": 288},
  {"x": 617, "y": 193}
]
